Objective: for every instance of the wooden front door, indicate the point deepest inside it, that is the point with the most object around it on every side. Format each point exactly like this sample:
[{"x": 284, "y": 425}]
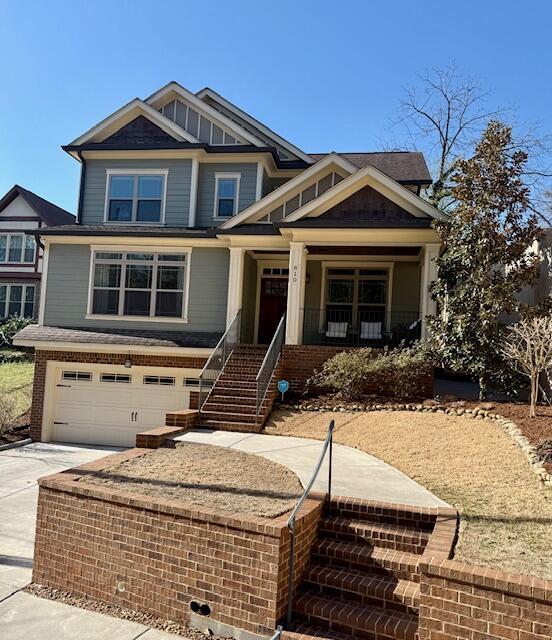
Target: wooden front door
[{"x": 272, "y": 306}]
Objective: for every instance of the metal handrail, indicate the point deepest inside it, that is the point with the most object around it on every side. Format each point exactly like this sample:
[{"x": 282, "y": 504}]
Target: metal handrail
[
  {"x": 269, "y": 363},
  {"x": 328, "y": 446},
  {"x": 277, "y": 633},
  {"x": 220, "y": 354}
]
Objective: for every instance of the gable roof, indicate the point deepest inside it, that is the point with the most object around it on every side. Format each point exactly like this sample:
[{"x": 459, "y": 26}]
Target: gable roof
[
  {"x": 48, "y": 212},
  {"x": 368, "y": 175},
  {"x": 290, "y": 186},
  {"x": 175, "y": 88},
  {"x": 407, "y": 167},
  {"x": 213, "y": 95},
  {"x": 126, "y": 114}
]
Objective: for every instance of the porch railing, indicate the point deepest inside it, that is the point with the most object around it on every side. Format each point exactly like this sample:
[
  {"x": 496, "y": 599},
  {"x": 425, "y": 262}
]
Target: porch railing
[
  {"x": 215, "y": 364},
  {"x": 362, "y": 327},
  {"x": 269, "y": 363},
  {"x": 327, "y": 448}
]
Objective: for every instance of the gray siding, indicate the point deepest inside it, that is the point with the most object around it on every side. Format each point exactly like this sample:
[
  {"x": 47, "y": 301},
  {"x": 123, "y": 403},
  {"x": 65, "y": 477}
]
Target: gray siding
[
  {"x": 178, "y": 188},
  {"x": 206, "y": 188},
  {"x": 406, "y": 287},
  {"x": 67, "y": 292}
]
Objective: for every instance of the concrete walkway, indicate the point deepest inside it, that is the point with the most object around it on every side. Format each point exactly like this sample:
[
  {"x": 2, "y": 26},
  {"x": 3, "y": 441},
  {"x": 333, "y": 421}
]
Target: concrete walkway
[
  {"x": 23, "y": 616},
  {"x": 355, "y": 473}
]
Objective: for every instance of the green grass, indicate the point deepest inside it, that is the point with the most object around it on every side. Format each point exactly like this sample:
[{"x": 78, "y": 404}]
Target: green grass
[{"x": 17, "y": 378}]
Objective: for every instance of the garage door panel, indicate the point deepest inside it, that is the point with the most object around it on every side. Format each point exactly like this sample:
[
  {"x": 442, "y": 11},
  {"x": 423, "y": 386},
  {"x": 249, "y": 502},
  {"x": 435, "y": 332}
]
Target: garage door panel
[{"x": 91, "y": 433}]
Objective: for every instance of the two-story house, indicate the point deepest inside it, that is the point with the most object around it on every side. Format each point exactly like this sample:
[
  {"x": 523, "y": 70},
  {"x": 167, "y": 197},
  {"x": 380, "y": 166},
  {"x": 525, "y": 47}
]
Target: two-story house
[
  {"x": 195, "y": 219},
  {"x": 22, "y": 214}
]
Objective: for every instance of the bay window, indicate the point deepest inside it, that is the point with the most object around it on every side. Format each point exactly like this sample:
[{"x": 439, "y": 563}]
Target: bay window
[
  {"x": 135, "y": 197},
  {"x": 140, "y": 285},
  {"x": 17, "y": 300},
  {"x": 227, "y": 187},
  {"x": 17, "y": 247}
]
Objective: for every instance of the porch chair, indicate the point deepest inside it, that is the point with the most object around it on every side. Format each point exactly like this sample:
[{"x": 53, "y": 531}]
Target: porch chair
[
  {"x": 337, "y": 329},
  {"x": 370, "y": 331}
]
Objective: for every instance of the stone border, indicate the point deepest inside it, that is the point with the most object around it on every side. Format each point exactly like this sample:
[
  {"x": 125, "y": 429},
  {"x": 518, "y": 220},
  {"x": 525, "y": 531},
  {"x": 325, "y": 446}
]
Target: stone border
[
  {"x": 536, "y": 463},
  {"x": 15, "y": 445}
]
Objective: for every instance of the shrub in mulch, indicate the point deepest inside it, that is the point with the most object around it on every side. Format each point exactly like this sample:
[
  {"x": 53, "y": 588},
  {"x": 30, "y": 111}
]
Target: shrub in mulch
[{"x": 544, "y": 449}]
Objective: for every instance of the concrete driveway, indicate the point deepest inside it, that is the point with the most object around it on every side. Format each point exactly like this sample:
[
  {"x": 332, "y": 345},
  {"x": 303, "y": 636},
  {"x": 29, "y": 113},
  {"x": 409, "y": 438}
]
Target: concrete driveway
[{"x": 23, "y": 616}]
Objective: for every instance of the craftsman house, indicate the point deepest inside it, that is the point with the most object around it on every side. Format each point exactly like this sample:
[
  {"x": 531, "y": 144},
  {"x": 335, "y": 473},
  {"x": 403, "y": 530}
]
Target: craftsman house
[{"x": 197, "y": 222}]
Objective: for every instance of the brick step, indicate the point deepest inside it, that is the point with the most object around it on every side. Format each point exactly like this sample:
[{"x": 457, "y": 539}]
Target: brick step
[
  {"x": 304, "y": 631},
  {"x": 228, "y": 397},
  {"x": 241, "y": 371},
  {"x": 369, "y": 589},
  {"x": 351, "y": 555},
  {"x": 404, "y": 516},
  {"x": 241, "y": 377},
  {"x": 380, "y": 534},
  {"x": 227, "y": 416},
  {"x": 355, "y": 619},
  {"x": 231, "y": 383},
  {"x": 216, "y": 406},
  {"x": 226, "y": 425}
]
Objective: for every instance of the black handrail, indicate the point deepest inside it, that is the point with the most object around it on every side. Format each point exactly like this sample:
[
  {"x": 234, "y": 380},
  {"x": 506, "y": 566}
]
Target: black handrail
[{"x": 327, "y": 447}]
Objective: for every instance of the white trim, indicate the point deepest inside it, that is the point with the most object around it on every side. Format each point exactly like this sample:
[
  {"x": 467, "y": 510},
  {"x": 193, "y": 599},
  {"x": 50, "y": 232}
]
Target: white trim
[
  {"x": 223, "y": 175},
  {"x": 200, "y": 105},
  {"x": 259, "y": 183},
  {"x": 43, "y": 284},
  {"x": 127, "y": 113},
  {"x": 296, "y": 292},
  {"x": 428, "y": 274},
  {"x": 375, "y": 178},
  {"x": 272, "y": 199},
  {"x": 255, "y": 123},
  {"x": 186, "y": 251},
  {"x": 235, "y": 284},
  {"x": 136, "y": 173},
  {"x": 194, "y": 181}
]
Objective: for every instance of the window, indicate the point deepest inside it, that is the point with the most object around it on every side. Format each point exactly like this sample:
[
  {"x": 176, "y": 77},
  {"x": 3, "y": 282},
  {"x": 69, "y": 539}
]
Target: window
[
  {"x": 17, "y": 300},
  {"x": 138, "y": 198},
  {"x": 227, "y": 188},
  {"x": 77, "y": 375},
  {"x": 115, "y": 377},
  {"x": 356, "y": 295},
  {"x": 17, "y": 247},
  {"x": 139, "y": 285},
  {"x": 161, "y": 380},
  {"x": 194, "y": 382}
]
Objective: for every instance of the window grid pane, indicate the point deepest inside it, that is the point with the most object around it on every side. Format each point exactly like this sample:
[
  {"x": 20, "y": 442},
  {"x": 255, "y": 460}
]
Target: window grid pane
[
  {"x": 16, "y": 247},
  {"x": 135, "y": 198}
]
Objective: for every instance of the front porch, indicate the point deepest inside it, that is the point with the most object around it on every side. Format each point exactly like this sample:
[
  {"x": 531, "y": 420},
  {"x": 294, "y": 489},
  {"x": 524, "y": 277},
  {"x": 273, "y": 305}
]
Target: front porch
[{"x": 333, "y": 295}]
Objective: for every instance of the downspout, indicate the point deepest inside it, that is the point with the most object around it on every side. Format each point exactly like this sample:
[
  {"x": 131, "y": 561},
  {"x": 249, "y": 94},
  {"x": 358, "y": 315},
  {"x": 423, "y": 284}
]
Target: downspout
[{"x": 81, "y": 188}]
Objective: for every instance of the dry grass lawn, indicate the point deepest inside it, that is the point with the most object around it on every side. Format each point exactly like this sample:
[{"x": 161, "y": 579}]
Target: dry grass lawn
[
  {"x": 215, "y": 477},
  {"x": 506, "y": 515}
]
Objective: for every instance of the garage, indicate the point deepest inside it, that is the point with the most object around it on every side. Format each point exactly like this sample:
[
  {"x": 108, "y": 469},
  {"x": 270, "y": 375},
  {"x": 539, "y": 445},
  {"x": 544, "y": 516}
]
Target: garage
[{"x": 109, "y": 405}]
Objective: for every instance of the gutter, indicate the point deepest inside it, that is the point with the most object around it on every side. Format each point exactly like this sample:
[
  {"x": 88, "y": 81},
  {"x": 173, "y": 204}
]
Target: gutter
[{"x": 81, "y": 187}]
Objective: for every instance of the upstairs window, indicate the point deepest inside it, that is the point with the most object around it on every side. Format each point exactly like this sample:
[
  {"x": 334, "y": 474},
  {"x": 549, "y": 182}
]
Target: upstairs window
[
  {"x": 227, "y": 188},
  {"x": 139, "y": 285},
  {"x": 135, "y": 198},
  {"x": 17, "y": 248}
]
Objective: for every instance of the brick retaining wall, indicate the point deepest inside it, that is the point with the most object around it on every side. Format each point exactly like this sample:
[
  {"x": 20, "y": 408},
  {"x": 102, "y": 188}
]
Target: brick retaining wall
[
  {"x": 157, "y": 555},
  {"x": 139, "y": 360},
  {"x": 301, "y": 361},
  {"x": 459, "y": 601}
]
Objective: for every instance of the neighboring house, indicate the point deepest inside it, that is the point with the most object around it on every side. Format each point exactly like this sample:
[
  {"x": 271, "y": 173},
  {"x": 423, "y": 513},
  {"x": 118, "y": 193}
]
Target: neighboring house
[
  {"x": 22, "y": 213},
  {"x": 192, "y": 215}
]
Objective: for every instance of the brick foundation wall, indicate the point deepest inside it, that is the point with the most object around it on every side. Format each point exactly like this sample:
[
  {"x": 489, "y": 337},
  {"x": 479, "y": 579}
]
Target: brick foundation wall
[
  {"x": 301, "y": 361},
  {"x": 139, "y": 360},
  {"x": 459, "y": 601},
  {"x": 156, "y": 555}
]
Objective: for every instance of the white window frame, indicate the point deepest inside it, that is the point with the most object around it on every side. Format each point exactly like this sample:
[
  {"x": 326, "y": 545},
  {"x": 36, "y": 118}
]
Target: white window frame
[
  {"x": 164, "y": 173},
  {"x": 24, "y": 237},
  {"x": 8, "y": 286},
  {"x": 226, "y": 176},
  {"x": 185, "y": 251}
]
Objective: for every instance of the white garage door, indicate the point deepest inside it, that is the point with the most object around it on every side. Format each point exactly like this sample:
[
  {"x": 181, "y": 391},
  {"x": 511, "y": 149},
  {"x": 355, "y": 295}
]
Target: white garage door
[{"x": 109, "y": 405}]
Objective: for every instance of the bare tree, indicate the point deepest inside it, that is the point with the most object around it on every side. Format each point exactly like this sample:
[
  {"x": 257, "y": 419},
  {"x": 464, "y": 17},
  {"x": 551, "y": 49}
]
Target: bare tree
[{"x": 529, "y": 347}]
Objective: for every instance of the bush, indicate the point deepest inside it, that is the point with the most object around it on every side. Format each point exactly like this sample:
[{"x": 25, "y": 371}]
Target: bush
[
  {"x": 8, "y": 412},
  {"x": 544, "y": 450},
  {"x": 394, "y": 373},
  {"x": 9, "y": 327}
]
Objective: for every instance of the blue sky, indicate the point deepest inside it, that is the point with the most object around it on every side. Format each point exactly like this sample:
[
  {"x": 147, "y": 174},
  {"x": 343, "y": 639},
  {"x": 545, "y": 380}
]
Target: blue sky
[{"x": 325, "y": 75}]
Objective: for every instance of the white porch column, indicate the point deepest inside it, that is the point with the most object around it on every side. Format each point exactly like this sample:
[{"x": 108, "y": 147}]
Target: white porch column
[
  {"x": 296, "y": 292},
  {"x": 429, "y": 274},
  {"x": 235, "y": 283}
]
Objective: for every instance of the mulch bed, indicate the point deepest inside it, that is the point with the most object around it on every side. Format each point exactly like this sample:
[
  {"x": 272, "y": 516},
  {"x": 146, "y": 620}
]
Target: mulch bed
[
  {"x": 212, "y": 476},
  {"x": 19, "y": 430}
]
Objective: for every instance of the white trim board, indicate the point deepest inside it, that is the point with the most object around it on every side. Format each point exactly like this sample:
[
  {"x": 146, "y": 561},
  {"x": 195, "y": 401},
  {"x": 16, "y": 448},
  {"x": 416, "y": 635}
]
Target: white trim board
[
  {"x": 368, "y": 176},
  {"x": 126, "y": 114},
  {"x": 207, "y": 92},
  {"x": 272, "y": 200}
]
